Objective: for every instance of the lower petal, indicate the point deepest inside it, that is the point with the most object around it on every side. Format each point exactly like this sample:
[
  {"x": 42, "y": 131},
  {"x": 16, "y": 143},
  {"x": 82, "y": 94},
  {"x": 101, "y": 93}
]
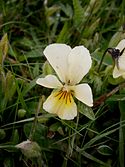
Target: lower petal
[
  {"x": 121, "y": 62},
  {"x": 83, "y": 93},
  {"x": 117, "y": 73},
  {"x": 61, "y": 104}
]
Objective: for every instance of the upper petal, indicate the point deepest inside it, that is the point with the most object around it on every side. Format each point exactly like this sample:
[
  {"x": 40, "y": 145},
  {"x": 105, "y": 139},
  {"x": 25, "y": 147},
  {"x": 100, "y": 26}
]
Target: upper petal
[
  {"x": 121, "y": 45},
  {"x": 57, "y": 55},
  {"x": 58, "y": 104},
  {"x": 50, "y": 81},
  {"x": 83, "y": 93},
  {"x": 79, "y": 61}
]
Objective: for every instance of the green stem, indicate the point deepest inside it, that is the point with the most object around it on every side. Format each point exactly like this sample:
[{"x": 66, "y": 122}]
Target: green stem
[
  {"x": 71, "y": 144},
  {"x": 102, "y": 60},
  {"x": 35, "y": 120}
]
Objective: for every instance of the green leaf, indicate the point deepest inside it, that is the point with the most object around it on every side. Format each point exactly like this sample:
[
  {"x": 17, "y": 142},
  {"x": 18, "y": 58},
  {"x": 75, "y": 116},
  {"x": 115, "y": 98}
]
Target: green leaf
[
  {"x": 64, "y": 34},
  {"x": 51, "y": 10},
  {"x": 115, "y": 81},
  {"x": 2, "y": 134},
  {"x": 78, "y": 14},
  {"x": 10, "y": 85},
  {"x": 87, "y": 111},
  {"x": 105, "y": 150},
  {"x": 9, "y": 162},
  {"x": 122, "y": 134},
  {"x": 103, "y": 134},
  {"x": 120, "y": 97},
  {"x": 15, "y": 137},
  {"x": 8, "y": 88},
  {"x": 57, "y": 127},
  {"x": 20, "y": 97},
  {"x": 97, "y": 82},
  {"x": 116, "y": 38},
  {"x": 92, "y": 158},
  {"x": 26, "y": 42},
  {"x": 34, "y": 53},
  {"x": 47, "y": 69},
  {"x": 3, "y": 48},
  {"x": 67, "y": 9},
  {"x": 97, "y": 55},
  {"x": 39, "y": 134},
  {"x": 93, "y": 7},
  {"x": 28, "y": 87},
  {"x": 89, "y": 31},
  {"x": 36, "y": 70}
]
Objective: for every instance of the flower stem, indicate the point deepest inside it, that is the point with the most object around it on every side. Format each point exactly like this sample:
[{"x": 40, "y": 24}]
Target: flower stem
[
  {"x": 35, "y": 120},
  {"x": 102, "y": 60},
  {"x": 71, "y": 144}
]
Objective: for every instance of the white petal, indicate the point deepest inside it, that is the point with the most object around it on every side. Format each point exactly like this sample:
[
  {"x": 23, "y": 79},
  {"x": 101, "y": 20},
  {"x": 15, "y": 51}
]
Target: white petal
[
  {"x": 117, "y": 73},
  {"x": 79, "y": 61},
  {"x": 50, "y": 81},
  {"x": 57, "y": 103},
  {"x": 121, "y": 45},
  {"x": 121, "y": 62},
  {"x": 83, "y": 93},
  {"x": 57, "y": 55}
]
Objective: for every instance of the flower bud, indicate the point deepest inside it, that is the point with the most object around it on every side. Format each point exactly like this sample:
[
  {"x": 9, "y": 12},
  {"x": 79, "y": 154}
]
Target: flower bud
[{"x": 21, "y": 113}]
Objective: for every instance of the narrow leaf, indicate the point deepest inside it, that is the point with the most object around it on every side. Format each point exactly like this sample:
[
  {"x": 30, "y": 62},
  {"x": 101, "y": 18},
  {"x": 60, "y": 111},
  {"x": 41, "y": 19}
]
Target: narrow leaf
[
  {"x": 122, "y": 134},
  {"x": 87, "y": 111},
  {"x": 78, "y": 14},
  {"x": 3, "y": 48}
]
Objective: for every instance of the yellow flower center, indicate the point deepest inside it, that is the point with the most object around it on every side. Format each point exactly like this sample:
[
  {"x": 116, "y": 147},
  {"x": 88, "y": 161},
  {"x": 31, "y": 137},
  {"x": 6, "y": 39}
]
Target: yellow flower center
[{"x": 65, "y": 94}]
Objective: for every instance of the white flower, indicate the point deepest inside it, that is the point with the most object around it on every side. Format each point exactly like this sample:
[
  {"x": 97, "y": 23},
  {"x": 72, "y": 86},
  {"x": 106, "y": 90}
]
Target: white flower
[
  {"x": 119, "y": 69},
  {"x": 71, "y": 65}
]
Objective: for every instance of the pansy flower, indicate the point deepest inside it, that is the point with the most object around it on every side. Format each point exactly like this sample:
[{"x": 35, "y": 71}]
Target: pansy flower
[
  {"x": 70, "y": 65},
  {"x": 118, "y": 54}
]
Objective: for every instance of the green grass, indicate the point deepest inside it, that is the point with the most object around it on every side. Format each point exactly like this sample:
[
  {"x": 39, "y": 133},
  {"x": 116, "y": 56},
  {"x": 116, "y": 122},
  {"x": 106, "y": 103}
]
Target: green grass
[{"x": 96, "y": 138}]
